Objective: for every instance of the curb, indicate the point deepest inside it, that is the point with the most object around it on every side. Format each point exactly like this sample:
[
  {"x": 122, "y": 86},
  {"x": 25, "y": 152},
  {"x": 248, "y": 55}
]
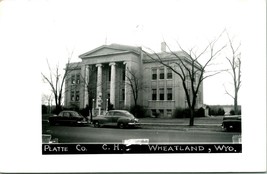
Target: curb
[
  {"x": 183, "y": 127},
  {"x": 175, "y": 124}
]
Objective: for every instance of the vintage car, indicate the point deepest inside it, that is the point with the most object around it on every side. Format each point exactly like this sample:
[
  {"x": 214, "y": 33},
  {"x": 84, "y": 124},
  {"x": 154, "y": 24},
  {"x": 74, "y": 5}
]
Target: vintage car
[
  {"x": 232, "y": 123},
  {"x": 67, "y": 117},
  {"x": 47, "y": 139},
  {"x": 119, "y": 118}
]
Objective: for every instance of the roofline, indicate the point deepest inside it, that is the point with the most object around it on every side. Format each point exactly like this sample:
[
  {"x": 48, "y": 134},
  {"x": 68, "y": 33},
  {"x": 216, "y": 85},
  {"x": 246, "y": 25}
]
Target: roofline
[
  {"x": 80, "y": 56},
  {"x": 170, "y": 58},
  {"x": 112, "y": 46},
  {"x": 118, "y": 110},
  {"x": 74, "y": 65},
  {"x": 110, "y": 54}
]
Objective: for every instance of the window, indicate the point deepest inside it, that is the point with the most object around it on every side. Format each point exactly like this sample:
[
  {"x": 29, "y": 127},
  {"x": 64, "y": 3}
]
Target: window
[
  {"x": 117, "y": 113},
  {"x": 126, "y": 113},
  {"x": 110, "y": 113},
  {"x": 154, "y": 112},
  {"x": 122, "y": 94},
  {"x": 161, "y": 94},
  {"x": 77, "y": 79},
  {"x": 123, "y": 73},
  {"x": 154, "y": 74},
  {"x": 169, "y": 93},
  {"x": 161, "y": 112},
  {"x": 72, "y": 95},
  {"x": 66, "y": 114},
  {"x": 154, "y": 94},
  {"x": 77, "y": 95},
  {"x": 74, "y": 114},
  {"x": 161, "y": 73},
  {"x": 169, "y": 73},
  {"x": 169, "y": 112},
  {"x": 72, "y": 79}
]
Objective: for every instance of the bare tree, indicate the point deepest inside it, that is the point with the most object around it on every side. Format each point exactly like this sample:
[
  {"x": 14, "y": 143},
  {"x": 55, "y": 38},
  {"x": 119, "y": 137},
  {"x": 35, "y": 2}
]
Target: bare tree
[
  {"x": 186, "y": 65},
  {"x": 235, "y": 71},
  {"x": 56, "y": 81},
  {"x": 90, "y": 88},
  {"x": 47, "y": 100},
  {"x": 134, "y": 81}
]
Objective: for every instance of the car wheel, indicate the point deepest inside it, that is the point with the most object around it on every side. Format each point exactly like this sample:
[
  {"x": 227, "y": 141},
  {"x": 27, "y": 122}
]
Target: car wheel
[
  {"x": 96, "y": 124},
  {"x": 121, "y": 125}
]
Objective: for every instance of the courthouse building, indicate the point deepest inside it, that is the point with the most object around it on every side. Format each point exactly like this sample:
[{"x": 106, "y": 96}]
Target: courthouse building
[{"x": 105, "y": 74}]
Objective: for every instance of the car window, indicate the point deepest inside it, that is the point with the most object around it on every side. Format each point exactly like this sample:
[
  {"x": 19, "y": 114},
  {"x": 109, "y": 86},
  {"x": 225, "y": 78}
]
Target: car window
[
  {"x": 66, "y": 114},
  {"x": 110, "y": 113},
  {"x": 118, "y": 114},
  {"x": 75, "y": 114},
  {"x": 60, "y": 114},
  {"x": 127, "y": 114}
]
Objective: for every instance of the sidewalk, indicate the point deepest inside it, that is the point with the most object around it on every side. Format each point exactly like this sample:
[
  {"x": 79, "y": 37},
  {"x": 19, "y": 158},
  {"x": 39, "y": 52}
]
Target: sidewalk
[
  {"x": 200, "y": 124},
  {"x": 183, "y": 121}
]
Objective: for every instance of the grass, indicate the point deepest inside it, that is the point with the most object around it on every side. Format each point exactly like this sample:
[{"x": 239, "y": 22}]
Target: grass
[{"x": 197, "y": 120}]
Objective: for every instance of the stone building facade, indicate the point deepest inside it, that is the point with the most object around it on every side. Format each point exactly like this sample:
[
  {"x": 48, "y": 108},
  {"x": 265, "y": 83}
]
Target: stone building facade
[{"x": 106, "y": 75}]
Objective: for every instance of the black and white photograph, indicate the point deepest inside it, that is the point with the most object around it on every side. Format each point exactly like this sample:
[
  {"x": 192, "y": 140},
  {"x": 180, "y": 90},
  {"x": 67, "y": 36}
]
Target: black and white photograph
[{"x": 158, "y": 86}]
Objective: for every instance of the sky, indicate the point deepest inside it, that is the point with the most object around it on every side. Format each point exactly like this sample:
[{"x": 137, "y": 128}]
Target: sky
[{"x": 54, "y": 30}]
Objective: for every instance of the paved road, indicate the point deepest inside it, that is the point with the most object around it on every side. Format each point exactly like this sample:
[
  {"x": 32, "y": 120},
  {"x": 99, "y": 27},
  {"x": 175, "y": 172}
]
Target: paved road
[{"x": 87, "y": 134}]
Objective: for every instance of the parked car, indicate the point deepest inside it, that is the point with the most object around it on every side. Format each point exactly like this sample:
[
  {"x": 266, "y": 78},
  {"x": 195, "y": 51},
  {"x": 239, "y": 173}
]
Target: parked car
[
  {"x": 67, "y": 117},
  {"x": 232, "y": 123},
  {"x": 119, "y": 118},
  {"x": 47, "y": 139}
]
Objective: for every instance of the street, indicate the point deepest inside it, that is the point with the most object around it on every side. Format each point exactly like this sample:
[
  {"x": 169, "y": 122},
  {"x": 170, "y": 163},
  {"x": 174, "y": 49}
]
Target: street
[{"x": 88, "y": 134}]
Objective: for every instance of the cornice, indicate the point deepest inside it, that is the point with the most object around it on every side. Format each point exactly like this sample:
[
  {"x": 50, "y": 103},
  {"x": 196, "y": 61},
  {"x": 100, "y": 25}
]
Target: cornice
[{"x": 104, "y": 55}]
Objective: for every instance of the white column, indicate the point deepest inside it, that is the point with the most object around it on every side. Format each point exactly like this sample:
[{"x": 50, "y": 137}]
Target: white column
[
  {"x": 99, "y": 85},
  {"x": 112, "y": 83},
  {"x": 86, "y": 83},
  {"x": 127, "y": 89}
]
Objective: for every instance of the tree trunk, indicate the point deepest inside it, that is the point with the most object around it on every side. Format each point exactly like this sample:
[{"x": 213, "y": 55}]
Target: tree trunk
[
  {"x": 90, "y": 106},
  {"x": 191, "y": 122},
  {"x": 91, "y": 115},
  {"x": 235, "y": 104},
  {"x": 58, "y": 109}
]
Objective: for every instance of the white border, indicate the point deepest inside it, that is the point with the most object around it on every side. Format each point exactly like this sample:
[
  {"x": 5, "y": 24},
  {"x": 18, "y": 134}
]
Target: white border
[{"x": 20, "y": 125}]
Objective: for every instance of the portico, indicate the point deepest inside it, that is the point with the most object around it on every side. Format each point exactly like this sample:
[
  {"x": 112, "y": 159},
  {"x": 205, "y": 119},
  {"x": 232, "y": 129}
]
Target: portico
[
  {"x": 111, "y": 84},
  {"x": 111, "y": 64}
]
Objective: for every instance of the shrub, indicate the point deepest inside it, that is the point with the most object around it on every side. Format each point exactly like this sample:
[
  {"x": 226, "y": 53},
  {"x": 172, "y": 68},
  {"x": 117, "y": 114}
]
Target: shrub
[
  {"x": 178, "y": 113},
  {"x": 181, "y": 113},
  {"x": 110, "y": 107},
  {"x": 156, "y": 114},
  {"x": 221, "y": 111},
  {"x": 44, "y": 109},
  {"x": 232, "y": 112},
  {"x": 138, "y": 111},
  {"x": 185, "y": 113},
  {"x": 57, "y": 110},
  {"x": 85, "y": 111},
  {"x": 216, "y": 111},
  {"x": 200, "y": 112}
]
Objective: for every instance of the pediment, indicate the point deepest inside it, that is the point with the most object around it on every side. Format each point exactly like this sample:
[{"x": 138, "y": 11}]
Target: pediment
[
  {"x": 108, "y": 50},
  {"x": 104, "y": 51}
]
